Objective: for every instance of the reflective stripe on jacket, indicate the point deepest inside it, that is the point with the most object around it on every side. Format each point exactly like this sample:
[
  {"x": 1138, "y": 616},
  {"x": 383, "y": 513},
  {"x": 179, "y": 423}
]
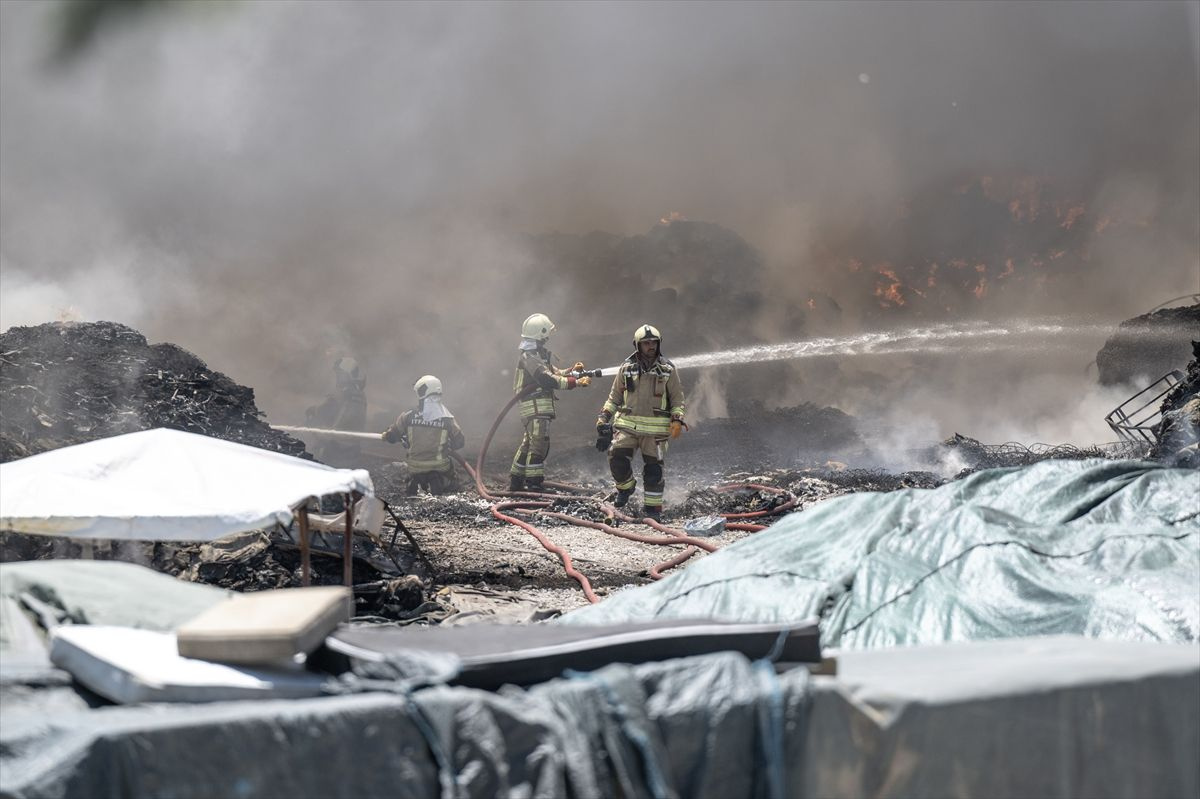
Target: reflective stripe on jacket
[
  {"x": 428, "y": 442},
  {"x": 644, "y": 401},
  {"x": 534, "y": 368}
]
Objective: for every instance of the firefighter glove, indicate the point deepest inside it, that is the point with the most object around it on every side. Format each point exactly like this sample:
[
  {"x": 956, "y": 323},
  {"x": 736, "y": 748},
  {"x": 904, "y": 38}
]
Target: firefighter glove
[
  {"x": 578, "y": 367},
  {"x": 584, "y": 381},
  {"x": 676, "y": 428},
  {"x": 604, "y": 436}
]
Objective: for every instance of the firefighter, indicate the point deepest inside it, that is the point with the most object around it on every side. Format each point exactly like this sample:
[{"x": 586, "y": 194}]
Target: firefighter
[
  {"x": 344, "y": 409},
  {"x": 428, "y": 432},
  {"x": 643, "y": 412},
  {"x": 535, "y": 368}
]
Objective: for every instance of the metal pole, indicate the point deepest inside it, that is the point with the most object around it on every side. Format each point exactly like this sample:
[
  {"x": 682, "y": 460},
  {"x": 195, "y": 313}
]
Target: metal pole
[
  {"x": 348, "y": 549},
  {"x": 305, "y": 572}
]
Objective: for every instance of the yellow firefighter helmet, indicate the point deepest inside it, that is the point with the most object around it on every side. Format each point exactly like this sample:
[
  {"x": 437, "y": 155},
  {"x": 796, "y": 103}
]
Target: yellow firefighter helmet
[
  {"x": 537, "y": 327},
  {"x": 427, "y": 385},
  {"x": 646, "y": 333}
]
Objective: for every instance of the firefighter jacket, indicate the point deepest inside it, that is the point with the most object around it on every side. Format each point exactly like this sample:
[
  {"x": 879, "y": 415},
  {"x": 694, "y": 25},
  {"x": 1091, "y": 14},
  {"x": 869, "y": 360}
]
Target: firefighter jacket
[
  {"x": 427, "y": 441},
  {"x": 643, "y": 401},
  {"x": 535, "y": 368}
]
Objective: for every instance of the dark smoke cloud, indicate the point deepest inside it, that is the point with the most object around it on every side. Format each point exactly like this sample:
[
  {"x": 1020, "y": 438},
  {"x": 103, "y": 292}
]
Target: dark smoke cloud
[{"x": 265, "y": 182}]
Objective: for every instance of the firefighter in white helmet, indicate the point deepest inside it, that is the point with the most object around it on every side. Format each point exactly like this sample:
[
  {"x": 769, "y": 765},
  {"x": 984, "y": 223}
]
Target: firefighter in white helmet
[
  {"x": 537, "y": 374},
  {"x": 428, "y": 432},
  {"x": 644, "y": 410}
]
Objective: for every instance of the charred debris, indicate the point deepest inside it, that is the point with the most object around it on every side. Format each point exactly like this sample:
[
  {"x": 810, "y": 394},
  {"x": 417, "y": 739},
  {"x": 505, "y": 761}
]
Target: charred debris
[
  {"x": 68, "y": 383},
  {"x": 1149, "y": 345}
]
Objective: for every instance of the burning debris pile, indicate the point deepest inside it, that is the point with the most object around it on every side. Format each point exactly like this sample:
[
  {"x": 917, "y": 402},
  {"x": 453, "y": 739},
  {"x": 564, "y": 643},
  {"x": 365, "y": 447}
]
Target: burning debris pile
[
  {"x": 68, "y": 383},
  {"x": 1178, "y": 434},
  {"x": 1148, "y": 346},
  {"x": 975, "y": 241}
]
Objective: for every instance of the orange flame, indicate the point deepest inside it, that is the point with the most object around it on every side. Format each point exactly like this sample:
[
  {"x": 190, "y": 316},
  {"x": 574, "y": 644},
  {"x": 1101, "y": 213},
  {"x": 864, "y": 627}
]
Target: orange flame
[
  {"x": 890, "y": 294},
  {"x": 1073, "y": 214}
]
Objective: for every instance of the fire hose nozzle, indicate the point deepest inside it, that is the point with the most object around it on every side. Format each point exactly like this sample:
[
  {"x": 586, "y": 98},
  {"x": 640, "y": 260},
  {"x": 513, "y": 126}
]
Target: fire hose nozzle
[{"x": 585, "y": 373}]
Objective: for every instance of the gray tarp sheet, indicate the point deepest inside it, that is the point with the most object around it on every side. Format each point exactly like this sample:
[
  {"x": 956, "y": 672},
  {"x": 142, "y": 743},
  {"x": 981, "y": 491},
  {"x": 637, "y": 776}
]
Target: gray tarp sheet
[
  {"x": 1096, "y": 548},
  {"x": 1051, "y": 717},
  {"x": 107, "y": 592}
]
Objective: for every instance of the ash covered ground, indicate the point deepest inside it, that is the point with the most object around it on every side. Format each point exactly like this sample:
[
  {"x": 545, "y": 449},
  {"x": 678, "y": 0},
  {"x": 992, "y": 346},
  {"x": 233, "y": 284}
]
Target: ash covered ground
[{"x": 447, "y": 557}]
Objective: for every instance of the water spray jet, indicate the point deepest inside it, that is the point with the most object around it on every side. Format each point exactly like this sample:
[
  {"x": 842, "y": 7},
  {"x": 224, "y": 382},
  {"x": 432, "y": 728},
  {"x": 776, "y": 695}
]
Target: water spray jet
[{"x": 941, "y": 339}]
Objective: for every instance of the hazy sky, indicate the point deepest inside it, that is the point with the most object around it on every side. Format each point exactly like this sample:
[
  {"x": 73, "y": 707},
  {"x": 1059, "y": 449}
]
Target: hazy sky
[{"x": 261, "y": 181}]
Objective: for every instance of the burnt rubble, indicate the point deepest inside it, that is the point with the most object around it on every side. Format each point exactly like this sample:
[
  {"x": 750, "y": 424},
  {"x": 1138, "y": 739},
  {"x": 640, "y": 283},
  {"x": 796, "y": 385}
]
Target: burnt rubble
[
  {"x": 808, "y": 486},
  {"x": 780, "y": 436},
  {"x": 1148, "y": 346},
  {"x": 249, "y": 561},
  {"x": 69, "y": 383},
  {"x": 1177, "y": 436},
  {"x": 973, "y": 455}
]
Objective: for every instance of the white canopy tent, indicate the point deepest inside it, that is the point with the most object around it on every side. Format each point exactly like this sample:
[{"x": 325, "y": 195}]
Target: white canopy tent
[{"x": 162, "y": 485}]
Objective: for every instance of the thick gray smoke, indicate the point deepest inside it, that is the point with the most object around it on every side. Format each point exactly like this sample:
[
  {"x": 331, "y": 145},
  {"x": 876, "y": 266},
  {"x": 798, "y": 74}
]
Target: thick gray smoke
[{"x": 265, "y": 183}]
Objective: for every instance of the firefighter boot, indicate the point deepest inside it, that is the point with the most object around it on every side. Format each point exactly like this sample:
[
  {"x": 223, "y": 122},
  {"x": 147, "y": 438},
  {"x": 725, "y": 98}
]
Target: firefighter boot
[
  {"x": 534, "y": 483},
  {"x": 652, "y": 473},
  {"x": 623, "y": 495},
  {"x": 516, "y": 482}
]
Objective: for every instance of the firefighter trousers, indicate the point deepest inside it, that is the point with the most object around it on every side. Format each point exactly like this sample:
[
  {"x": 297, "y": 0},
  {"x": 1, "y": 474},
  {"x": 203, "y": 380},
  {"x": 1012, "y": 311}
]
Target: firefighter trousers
[
  {"x": 439, "y": 482},
  {"x": 529, "y": 464},
  {"x": 654, "y": 453}
]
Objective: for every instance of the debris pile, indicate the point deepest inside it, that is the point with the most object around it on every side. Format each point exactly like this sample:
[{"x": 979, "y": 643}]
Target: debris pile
[
  {"x": 974, "y": 455},
  {"x": 709, "y": 266},
  {"x": 250, "y": 561},
  {"x": 255, "y": 561},
  {"x": 778, "y": 436},
  {"x": 1148, "y": 346},
  {"x": 68, "y": 383},
  {"x": 808, "y": 486},
  {"x": 1178, "y": 434}
]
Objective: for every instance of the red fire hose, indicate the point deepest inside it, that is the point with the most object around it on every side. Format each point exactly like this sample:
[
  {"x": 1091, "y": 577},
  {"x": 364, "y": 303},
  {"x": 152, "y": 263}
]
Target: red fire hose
[{"x": 537, "y": 503}]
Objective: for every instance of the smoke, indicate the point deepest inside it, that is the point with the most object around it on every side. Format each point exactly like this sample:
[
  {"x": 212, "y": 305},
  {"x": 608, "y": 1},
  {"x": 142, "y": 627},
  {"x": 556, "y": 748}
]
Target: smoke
[{"x": 268, "y": 182}]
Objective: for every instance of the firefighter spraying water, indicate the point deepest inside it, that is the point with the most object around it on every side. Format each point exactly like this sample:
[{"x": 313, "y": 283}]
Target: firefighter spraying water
[
  {"x": 535, "y": 380},
  {"x": 644, "y": 410}
]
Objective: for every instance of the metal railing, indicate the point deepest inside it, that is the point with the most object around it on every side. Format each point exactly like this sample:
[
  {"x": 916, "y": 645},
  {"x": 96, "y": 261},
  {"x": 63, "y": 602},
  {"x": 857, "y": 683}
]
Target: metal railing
[{"x": 1134, "y": 419}]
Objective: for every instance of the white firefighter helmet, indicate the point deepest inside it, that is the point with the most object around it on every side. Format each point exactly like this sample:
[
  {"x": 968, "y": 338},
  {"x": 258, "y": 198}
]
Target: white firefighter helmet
[
  {"x": 537, "y": 327},
  {"x": 646, "y": 333},
  {"x": 427, "y": 385}
]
